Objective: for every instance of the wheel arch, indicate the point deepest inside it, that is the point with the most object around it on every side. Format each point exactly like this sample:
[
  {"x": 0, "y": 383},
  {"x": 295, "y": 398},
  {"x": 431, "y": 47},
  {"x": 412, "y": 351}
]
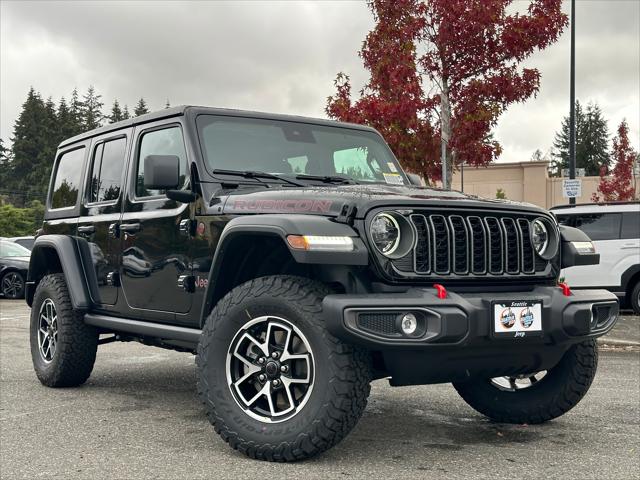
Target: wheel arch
[
  {"x": 630, "y": 277},
  {"x": 58, "y": 254},
  {"x": 256, "y": 246}
]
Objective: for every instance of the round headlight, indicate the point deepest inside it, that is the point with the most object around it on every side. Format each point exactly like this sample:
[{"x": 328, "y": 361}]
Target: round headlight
[
  {"x": 385, "y": 233},
  {"x": 540, "y": 236}
]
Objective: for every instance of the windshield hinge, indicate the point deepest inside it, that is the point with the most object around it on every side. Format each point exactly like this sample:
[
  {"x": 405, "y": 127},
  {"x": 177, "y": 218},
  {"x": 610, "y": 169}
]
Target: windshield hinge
[{"x": 347, "y": 214}]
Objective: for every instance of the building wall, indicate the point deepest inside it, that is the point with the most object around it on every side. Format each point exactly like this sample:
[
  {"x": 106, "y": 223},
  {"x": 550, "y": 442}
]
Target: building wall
[{"x": 522, "y": 182}]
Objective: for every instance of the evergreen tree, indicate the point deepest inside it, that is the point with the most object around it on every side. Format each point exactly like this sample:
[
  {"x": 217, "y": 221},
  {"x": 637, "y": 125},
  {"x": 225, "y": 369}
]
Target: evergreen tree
[
  {"x": 116, "y": 112},
  {"x": 592, "y": 137},
  {"x": 141, "y": 108},
  {"x": 91, "y": 109},
  {"x": 125, "y": 113},
  {"x": 5, "y": 163},
  {"x": 67, "y": 121},
  {"x": 28, "y": 143},
  {"x": 75, "y": 111}
]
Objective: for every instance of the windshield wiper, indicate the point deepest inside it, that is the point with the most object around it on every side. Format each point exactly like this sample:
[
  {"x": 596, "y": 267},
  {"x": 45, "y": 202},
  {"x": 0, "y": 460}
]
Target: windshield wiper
[
  {"x": 327, "y": 178},
  {"x": 257, "y": 175}
]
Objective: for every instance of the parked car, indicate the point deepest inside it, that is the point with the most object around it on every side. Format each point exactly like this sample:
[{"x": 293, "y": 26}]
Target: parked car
[
  {"x": 614, "y": 229},
  {"x": 14, "y": 264},
  {"x": 26, "y": 242},
  {"x": 299, "y": 262}
]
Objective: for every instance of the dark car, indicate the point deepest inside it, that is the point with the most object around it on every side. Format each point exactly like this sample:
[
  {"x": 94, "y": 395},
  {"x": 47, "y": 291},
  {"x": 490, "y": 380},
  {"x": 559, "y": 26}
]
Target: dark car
[
  {"x": 14, "y": 264},
  {"x": 26, "y": 242},
  {"x": 299, "y": 262}
]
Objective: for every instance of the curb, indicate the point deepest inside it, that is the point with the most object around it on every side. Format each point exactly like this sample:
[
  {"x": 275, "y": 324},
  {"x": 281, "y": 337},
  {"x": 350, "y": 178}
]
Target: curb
[{"x": 617, "y": 343}]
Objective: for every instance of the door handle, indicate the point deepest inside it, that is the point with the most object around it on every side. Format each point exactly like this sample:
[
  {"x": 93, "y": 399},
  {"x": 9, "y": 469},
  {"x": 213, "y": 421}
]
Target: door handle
[
  {"x": 86, "y": 229},
  {"x": 130, "y": 227}
]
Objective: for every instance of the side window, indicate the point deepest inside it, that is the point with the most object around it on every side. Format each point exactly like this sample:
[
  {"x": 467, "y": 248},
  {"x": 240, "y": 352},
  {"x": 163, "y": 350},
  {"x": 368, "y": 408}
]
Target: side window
[
  {"x": 353, "y": 163},
  {"x": 600, "y": 226},
  {"x": 167, "y": 141},
  {"x": 630, "y": 225},
  {"x": 67, "y": 179},
  {"x": 106, "y": 170}
]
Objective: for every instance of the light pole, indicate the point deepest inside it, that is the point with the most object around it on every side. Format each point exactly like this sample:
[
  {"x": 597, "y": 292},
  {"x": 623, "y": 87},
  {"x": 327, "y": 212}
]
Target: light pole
[{"x": 572, "y": 95}]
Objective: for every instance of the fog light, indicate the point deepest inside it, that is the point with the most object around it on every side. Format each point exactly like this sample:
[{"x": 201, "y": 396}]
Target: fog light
[{"x": 409, "y": 324}]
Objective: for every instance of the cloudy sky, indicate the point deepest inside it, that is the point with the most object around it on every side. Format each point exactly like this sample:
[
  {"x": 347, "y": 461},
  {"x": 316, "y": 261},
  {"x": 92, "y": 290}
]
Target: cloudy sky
[{"x": 282, "y": 57}]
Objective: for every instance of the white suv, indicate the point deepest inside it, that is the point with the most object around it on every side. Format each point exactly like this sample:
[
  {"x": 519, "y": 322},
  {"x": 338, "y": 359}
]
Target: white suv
[{"x": 615, "y": 231}]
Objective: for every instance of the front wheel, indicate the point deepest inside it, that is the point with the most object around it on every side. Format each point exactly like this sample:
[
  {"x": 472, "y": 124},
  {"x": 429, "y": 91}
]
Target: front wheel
[
  {"x": 276, "y": 385},
  {"x": 12, "y": 284},
  {"x": 634, "y": 299},
  {"x": 538, "y": 396}
]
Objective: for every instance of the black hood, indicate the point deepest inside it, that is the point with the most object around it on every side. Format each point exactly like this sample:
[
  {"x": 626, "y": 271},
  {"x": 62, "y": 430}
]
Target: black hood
[{"x": 330, "y": 200}]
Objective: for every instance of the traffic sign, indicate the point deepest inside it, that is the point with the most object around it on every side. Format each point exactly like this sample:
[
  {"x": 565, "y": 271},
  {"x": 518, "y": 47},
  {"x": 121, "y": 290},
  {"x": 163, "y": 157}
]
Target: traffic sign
[
  {"x": 571, "y": 188},
  {"x": 579, "y": 172}
]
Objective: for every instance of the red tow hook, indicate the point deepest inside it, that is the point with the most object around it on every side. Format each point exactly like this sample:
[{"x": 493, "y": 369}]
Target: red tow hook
[
  {"x": 442, "y": 292},
  {"x": 566, "y": 289}
]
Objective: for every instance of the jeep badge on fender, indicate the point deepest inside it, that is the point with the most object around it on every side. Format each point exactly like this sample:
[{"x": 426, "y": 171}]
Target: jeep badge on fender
[{"x": 299, "y": 262}]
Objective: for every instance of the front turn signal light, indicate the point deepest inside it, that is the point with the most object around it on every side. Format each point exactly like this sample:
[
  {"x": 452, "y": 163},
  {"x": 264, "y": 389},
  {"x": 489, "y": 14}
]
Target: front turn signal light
[{"x": 320, "y": 243}]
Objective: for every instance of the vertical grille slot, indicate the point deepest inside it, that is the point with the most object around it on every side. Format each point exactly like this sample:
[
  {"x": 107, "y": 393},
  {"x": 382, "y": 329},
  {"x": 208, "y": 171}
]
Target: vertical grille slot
[
  {"x": 441, "y": 242},
  {"x": 496, "y": 264},
  {"x": 460, "y": 244},
  {"x": 512, "y": 246},
  {"x": 478, "y": 245},
  {"x": 421, "y": 254},
  {"x": 527, "y": 251}
]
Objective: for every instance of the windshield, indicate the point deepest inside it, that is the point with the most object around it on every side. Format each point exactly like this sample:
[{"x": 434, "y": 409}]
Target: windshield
[
  {"x": 10, "y": 249},
  {"x": 280, "y": 147}
]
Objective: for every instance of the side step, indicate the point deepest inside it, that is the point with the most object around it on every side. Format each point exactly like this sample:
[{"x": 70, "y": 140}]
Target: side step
[{"x": 148, "y": 329}]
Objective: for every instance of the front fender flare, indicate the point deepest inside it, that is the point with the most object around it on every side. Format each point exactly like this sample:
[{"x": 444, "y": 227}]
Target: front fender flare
[{"x": 281, "y": 226}]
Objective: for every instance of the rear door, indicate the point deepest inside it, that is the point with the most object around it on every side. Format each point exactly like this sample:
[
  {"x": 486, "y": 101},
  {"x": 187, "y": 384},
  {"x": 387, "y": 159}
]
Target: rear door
[
  {"x": 100, "y": 213},
  {"x": 155, "y": 253}
]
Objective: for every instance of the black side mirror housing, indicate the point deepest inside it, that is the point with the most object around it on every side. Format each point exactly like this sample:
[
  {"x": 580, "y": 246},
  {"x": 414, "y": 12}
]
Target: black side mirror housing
[
  {"x": 161, "y": 172},
  {"x": 415, "y": 179},
  {"x": 577, "y": 248}
]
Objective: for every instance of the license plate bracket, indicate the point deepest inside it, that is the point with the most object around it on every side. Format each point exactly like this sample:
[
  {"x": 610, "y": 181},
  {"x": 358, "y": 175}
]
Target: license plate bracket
[{"x": 516, "y": 318}]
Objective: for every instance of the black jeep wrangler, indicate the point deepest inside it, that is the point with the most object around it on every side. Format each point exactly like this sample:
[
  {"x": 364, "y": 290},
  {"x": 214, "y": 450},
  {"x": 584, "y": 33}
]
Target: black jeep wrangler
[{"x": 299, "y": 262}]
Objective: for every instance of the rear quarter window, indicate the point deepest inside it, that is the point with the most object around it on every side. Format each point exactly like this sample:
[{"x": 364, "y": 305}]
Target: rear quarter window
[
  {"x": 599, "y": 226},
  {"x": 66, "y": 181},
  {"x": 631, "y": 225}
]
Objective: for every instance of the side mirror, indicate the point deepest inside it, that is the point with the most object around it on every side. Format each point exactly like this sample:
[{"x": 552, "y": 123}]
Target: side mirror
[
  {"x": 161, "y": 172},
  {"x": 577, "y": 248},
  {"x": 415, "y": 179}
]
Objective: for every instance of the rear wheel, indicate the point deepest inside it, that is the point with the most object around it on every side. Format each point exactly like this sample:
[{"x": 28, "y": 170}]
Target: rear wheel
[
  {"x": 538, "y": 396},
  {"x": 276, "y": 385},
  {"x": 634, "y": 300},
  {"x": 12, "y": 284},
  {"x": 63, "y": 347}
]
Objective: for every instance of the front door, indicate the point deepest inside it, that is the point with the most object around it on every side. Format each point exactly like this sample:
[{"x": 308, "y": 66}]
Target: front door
[
  {"x": 155, "y": 253},
  {"x": 100, "y": 212}
]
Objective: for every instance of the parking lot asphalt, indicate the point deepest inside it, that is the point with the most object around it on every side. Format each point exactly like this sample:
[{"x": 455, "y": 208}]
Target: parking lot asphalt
[{"x": 138, "y": 417}]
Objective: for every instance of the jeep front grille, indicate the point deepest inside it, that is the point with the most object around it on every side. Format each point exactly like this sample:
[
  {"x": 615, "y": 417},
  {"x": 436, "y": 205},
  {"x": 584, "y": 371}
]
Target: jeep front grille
[{"x": 461, "y": 244}]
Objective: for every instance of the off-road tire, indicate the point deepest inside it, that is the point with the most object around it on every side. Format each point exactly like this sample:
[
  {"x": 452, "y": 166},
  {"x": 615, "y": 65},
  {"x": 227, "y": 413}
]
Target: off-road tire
[
  {"x": 634, "y": 300},
  {"x": 77, "y": 343},
  {"x": 14, "y": 277},
  {"x": 554, "y": 395},
  {"x": 342, "y": 373}
]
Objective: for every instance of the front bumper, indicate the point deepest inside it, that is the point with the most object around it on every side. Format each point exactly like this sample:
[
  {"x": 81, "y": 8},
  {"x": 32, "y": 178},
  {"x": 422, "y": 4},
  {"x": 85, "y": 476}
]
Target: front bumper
[{"x": 456, "y": 341}]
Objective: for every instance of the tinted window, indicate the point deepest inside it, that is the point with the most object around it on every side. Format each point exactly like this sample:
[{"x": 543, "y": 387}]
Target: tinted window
[
  {"x": 566, "y": 220},
  {"x": 285, "y": 147},
  {"x": 600, "y": 226},
  {"x": 106, "y": 171},
  {"x": 167, "y": 141},
  {"x": 67, "y": 179},
  {"x": 631, "y": 225},
  {"x": 26, "y": 242}
]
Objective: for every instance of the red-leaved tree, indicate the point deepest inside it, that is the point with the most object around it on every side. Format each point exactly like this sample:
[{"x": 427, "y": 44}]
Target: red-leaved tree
[
  {"x": 446, "y": 69},
  {"x": 620, "y": 187}
]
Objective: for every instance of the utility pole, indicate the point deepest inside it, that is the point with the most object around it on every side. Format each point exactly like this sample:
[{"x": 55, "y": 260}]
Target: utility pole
[{"x": 572, "y": 95}]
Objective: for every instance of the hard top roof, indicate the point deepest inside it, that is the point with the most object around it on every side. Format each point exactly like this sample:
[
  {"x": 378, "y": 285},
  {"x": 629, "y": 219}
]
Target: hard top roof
[{"x": 181, "y": 110}]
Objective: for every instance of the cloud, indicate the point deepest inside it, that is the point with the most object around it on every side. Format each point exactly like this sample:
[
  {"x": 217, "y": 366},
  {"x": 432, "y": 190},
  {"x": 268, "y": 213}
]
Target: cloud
[{"x": 280, "y": 57}]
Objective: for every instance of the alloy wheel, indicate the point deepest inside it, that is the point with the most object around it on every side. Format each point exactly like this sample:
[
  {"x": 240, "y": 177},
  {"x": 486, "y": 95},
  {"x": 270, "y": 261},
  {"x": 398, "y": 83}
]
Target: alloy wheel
[
  {"x": 518, "y": 382},
  {"x": 12, "y": 285},
  {"x": 47, "y": 330},
  {"x": 270, "y": 369}
]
